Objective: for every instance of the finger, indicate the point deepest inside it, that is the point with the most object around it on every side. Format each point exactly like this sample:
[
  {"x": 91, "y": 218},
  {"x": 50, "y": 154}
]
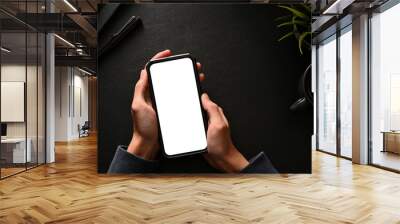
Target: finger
[
  {"x": 141, "y": 86},
  {"x": 211, "y": 108},
  {"x": 162, "y": 54},
  {"x": 198, "y": 66},
  {"x": 221, "y": 112},
  {"x": 146, "y": 91},
  {"x": 202, "y": 77},
  {"x": 210, "y": 160}
]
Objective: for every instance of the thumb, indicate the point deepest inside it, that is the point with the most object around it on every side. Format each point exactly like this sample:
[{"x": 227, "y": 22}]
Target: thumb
[
  {"x": 141, "y": 85},
  {"x": 211, "y": 108}
]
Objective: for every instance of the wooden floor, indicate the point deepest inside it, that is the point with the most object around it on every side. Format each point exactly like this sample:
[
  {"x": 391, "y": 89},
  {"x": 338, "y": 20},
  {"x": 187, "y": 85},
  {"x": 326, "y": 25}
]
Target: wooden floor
[
  {"x": 70, "y": 191},
  {"x": 8, "y": 171},
  {"x": 11, "y": 170},
  {"x": 387, "y": 159}
]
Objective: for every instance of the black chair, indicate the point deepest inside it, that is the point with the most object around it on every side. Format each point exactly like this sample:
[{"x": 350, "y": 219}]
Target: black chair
[{"x": 84, "y": 130}]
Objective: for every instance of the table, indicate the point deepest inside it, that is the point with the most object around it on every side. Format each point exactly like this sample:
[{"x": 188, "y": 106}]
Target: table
[
  {"x": 13, "y": 150},
  {"x": 391, "y": 141}
]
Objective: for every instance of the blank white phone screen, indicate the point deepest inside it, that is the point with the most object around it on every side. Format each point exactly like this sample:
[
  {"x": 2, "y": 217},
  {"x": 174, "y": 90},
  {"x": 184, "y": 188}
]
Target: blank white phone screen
[{"x": 178, "y": 106}]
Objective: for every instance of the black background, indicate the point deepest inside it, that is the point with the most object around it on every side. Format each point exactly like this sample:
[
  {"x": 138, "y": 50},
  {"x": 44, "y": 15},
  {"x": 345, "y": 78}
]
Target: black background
[{"x": 251, "y": 75}]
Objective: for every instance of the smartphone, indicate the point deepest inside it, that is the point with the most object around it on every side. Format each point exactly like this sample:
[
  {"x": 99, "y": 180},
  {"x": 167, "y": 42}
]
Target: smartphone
[{"x": 175, "y": 90}]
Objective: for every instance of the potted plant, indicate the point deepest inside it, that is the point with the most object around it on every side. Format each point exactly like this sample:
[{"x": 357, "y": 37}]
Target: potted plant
[
  {"x": 298, "y": 26},
  {"x": 299, "y": 23}
]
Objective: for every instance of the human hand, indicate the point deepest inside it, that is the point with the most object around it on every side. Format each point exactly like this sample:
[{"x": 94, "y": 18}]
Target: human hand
[
  {"x": 144, "y": 142},
  {"x": 222, "y": 154}
]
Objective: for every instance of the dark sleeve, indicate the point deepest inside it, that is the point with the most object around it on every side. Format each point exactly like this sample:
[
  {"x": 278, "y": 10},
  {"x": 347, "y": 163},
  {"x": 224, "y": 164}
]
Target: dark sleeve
[
  {"x": 259, "y": 164},
  {"x": 125, "y": 162}
]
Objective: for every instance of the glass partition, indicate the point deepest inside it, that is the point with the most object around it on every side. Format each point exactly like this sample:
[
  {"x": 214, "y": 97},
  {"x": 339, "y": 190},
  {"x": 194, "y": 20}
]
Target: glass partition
[
  {"x": 14, "y": 153},
  {"x": 385, "y": 89},
  {"x": 345, "y": 92},
  {"x": 22, "y": 101},
  {"x": 31, "y": 99},
  {"x": 326, "y": 59}
]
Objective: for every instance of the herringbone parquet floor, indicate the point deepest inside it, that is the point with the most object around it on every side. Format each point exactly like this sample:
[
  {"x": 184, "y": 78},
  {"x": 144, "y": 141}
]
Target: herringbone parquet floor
[{"x": 70, "y": 191}]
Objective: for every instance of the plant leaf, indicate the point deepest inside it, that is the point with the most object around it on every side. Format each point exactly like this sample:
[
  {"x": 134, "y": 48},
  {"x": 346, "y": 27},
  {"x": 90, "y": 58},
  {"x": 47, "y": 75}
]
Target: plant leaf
[
  {"x": 286, "y": 36},
  {"x": 294, "y": 24},
  {"x": 295, "y": 12},
  {"x": 283, "y": 17},
  {"x": 285, "y": 24},
  {"x": 301, "y": 39},
  {"x": 302, "y": 23}
]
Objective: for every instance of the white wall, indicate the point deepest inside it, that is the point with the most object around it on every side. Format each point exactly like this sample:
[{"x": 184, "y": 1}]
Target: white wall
[
  {"x": 12, "y": 73},
  {"x": 71, "y": 102},
  {"x": 9, "y": 73},
  {"x": 62, "y": 81},
  {"x": 80, "y": 102}
]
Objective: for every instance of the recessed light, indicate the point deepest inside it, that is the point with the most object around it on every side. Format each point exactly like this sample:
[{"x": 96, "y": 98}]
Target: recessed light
[
  {"x": 70, "y": 5},
  {"x": 64, "y": 40},
  {"x": 84, "y": 71},
  {"x": 337, "y": 7},
  {"x": 5, "y": 50}
]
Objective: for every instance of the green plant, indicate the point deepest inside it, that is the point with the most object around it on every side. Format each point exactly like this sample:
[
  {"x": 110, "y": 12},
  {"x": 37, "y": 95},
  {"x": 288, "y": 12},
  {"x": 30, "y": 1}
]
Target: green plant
[{"x": 298, "y": 22}]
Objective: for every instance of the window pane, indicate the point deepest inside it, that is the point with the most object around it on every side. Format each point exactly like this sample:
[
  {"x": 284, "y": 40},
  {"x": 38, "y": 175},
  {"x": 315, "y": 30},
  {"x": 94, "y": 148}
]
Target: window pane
[
  {"x": 327, "y": 96},
  {"x": 385, "y": 95},
  {"x": 14, "y": 150},
  {"x": 346, "y": 94},
  {"x": 31, "y": 97}
]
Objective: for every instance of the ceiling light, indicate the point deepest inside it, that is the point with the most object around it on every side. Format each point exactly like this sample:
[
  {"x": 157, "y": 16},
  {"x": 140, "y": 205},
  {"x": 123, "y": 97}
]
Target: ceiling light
[
  {"x": 84, "y": 71},
  {"x": 65, "y": 41},
  {"x": 337, "y": 7},
  {"x": 70, "y": 5},
  {"x": 80, "y": 51},
  {"x": 5, "y": 50}
]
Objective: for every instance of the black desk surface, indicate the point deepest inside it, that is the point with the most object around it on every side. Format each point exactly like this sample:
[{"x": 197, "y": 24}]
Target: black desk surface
[{"x": 251, "y": 75}]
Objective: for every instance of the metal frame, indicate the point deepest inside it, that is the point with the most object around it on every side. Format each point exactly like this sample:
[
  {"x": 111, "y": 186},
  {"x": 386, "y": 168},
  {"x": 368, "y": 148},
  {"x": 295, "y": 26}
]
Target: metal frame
[
  {"x": 0, "y": 96},
  {"x": 26, "y": 90},
  {"x": 316, "y": 97},
  {"x": 45, "y": 89},
  {"x": 338, "y": 98},
  {"x": 369, "y": 78}
]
